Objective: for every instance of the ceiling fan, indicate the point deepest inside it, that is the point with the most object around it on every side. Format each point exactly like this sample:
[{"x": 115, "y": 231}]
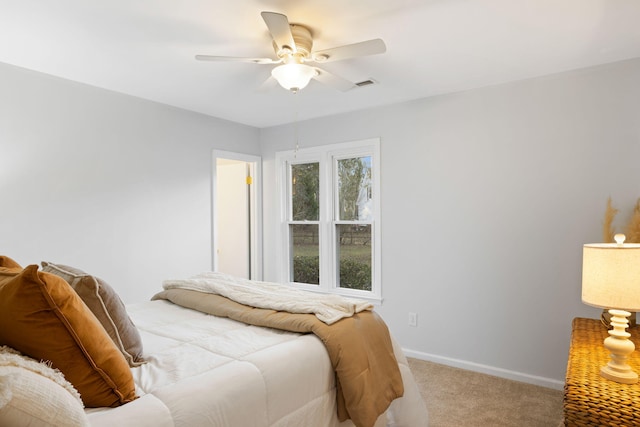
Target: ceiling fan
[{"x": 293, "y": 45}]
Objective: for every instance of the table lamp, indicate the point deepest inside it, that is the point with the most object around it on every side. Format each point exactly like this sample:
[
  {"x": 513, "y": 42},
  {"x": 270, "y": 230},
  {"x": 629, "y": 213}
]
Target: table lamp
[{"x": 611, "y": 280}]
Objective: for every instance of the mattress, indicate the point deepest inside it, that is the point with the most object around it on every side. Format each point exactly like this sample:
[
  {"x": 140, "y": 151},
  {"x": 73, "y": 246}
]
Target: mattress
[{"x": 205, "y": 370}]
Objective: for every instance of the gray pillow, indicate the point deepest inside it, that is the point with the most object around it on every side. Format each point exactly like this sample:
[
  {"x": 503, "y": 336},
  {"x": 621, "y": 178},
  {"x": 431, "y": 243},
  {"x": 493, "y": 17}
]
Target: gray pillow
[{"x": 107, "y": 306}]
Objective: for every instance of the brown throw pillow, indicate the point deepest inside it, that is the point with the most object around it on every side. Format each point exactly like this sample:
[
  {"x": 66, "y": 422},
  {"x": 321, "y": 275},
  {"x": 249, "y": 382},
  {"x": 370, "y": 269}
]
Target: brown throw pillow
[
  {"x": 42, "y": 317},
  {"x": 107, "y": 306},
  {"x": 7, "y": 262}
]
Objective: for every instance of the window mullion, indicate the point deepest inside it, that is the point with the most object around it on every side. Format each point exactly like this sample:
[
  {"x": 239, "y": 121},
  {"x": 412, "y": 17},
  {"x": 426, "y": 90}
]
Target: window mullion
[{"x": 327, "y": 281}]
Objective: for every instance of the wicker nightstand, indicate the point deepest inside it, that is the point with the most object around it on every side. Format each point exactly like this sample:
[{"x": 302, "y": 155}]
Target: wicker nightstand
[{"x": 589, "y": 399}]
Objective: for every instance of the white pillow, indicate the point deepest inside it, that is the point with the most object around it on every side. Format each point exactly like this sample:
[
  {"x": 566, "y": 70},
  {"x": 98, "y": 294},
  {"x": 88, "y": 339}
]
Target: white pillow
[{"x": 33, "y": 394}]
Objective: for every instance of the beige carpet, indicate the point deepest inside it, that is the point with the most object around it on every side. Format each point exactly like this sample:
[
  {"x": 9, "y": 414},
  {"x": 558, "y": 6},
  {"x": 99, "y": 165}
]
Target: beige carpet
[{"x": 460, "y": 398}]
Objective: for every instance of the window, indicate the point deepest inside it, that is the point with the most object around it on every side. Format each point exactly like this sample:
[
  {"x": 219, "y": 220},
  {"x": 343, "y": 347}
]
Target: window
[{"x": 329, "y": 200}]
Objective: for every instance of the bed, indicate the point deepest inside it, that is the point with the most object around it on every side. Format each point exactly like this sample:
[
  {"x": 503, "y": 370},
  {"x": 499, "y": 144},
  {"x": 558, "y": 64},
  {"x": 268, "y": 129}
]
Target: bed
[{"x": 193, "y": 363}]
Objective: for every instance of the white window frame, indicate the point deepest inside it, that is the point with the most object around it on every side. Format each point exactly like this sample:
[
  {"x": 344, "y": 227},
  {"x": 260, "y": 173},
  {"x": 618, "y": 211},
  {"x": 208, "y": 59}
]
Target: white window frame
[{"x": 327, "y": 156}]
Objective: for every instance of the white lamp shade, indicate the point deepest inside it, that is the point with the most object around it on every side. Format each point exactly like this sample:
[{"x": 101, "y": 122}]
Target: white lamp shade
[
  {"x": 293, "y": 76},
  {"x": 611, "y": 276}
]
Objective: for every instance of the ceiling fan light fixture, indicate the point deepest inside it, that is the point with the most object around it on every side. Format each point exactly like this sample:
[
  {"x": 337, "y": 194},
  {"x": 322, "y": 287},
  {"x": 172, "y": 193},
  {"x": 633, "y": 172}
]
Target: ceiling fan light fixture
[{"x": 293, "y": 77}]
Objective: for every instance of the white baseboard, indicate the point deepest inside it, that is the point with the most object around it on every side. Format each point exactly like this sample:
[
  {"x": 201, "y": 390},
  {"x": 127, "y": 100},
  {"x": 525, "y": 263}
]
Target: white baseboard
[{"x": 484, "y": 369}]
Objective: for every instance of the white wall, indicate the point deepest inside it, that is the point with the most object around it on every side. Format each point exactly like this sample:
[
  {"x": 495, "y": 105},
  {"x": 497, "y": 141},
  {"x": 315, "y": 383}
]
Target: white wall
[
  {"x": 108, "y": 183},
  {"x": 487, "y": 198}
]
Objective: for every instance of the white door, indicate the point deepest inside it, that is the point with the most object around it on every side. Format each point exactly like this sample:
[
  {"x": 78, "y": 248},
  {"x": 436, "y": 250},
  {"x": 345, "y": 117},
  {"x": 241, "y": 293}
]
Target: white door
[{"x": 236, "y": 215}]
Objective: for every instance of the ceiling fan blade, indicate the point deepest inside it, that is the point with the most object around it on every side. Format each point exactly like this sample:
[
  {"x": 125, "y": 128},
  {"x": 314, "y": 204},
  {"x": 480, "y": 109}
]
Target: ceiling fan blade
[
  {"x": 333, "y": 80},
  {"x": 237, "y": 59},
  {"x": 369, "y": 47},
  {"x": 278, "y": 26}
]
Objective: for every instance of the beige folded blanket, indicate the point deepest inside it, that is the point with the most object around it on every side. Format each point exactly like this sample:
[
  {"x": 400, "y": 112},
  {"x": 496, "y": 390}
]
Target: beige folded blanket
[
  {"x": 367, "y": 374},
  {"x": 328, "y": 308}
]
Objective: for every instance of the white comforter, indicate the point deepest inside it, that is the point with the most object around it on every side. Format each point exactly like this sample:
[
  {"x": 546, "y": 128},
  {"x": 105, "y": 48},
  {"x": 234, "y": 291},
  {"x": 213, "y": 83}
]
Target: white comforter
[{"x": 209, "y": 371}]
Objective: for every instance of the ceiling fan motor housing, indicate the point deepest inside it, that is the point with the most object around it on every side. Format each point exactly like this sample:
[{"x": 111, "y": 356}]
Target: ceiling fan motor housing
[{"x": 303, "y": 43}]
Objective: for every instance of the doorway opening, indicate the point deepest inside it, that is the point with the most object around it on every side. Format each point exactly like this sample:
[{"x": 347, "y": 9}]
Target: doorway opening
[{"x": 237, "y": 214}]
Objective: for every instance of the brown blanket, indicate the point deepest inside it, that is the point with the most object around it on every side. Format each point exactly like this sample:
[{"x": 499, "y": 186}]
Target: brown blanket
[{"x": 367, "y": 374}]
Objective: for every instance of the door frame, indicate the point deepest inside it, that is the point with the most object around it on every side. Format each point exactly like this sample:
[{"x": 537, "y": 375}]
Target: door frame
[{"x": 255, "y": 203}]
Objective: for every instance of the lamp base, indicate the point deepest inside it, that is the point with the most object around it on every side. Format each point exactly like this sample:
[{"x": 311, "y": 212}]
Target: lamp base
[
  {"x": 620, "y": 347},
  {"x": 629, "y": 377}
]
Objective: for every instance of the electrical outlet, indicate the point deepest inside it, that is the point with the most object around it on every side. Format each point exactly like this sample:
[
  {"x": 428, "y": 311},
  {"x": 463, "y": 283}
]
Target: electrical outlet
[{"x": 413, "y": 319}]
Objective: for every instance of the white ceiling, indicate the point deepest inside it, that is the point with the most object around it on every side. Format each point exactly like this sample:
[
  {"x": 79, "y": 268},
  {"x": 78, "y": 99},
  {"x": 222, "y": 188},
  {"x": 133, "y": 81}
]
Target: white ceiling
[{"x": 146, "y": 48}]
